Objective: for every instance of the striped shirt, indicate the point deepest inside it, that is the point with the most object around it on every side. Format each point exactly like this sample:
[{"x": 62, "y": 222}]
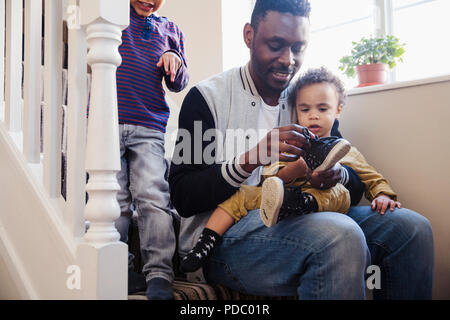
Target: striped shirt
[{"x": 140, "y": 93}]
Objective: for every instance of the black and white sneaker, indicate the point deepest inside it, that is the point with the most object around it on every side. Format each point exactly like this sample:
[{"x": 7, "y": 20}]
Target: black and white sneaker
[
  {"x": 279, "y": 202},
  {"x": 325, "y": 152},
  {"x": 272, "y": 195}
]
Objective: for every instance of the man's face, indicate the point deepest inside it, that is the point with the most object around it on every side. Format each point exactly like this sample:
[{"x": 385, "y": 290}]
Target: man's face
[
  {"x": 277, "y": 50},
  {"x": 145, "y": 8}
]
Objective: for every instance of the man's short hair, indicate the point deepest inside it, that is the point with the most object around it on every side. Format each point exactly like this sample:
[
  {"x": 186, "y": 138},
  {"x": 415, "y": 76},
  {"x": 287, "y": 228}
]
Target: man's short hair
[
  {"x": 300, "y": 8},
  {"x": 319, "y": 75}
]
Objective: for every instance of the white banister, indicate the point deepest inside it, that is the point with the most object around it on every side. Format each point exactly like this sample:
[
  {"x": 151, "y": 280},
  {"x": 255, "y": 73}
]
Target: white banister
[
  {"x": 32, "y": 81},
  {"x": 2, "y": 58},
  {"x": 103, "y": 149},
  {"x": 76, "y": 123},
  {"x": 13, "y": 86},
  {"x": 103, "y": 255},
  {"x": 52, "y": 97}
]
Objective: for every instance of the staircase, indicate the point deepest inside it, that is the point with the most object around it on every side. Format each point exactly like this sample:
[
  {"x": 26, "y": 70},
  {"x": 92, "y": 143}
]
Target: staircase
[{"x": 45, "y": 249}]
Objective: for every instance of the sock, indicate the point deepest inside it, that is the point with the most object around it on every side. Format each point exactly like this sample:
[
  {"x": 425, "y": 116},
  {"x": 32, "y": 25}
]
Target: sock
[
  {"x": 195, "y": 258},
  {"x": 303, "y": 203}
]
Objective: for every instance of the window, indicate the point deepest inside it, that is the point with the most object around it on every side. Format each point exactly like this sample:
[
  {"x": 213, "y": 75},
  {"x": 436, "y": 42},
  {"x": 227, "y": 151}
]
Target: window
[
  {"x": 334, "y": 25},
  {"x": 423, "y": 25},
  {"x": 420, "y": 24}
]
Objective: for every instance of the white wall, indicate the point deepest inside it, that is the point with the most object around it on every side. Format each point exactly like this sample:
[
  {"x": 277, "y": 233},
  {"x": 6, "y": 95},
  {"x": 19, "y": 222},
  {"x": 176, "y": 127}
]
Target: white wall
[
  {"x": 8, "y": 289},
  {"x": 201, "y": 24},
  {"x": 235, "y": 14},
  {"x": 404, "y": 133}
]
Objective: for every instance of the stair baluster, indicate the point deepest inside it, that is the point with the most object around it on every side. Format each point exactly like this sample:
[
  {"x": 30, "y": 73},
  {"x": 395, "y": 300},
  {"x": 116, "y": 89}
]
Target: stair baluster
[
  {"x": 52, "y": 129},
  {"x": 13, "y": 95},
  {"x": 103, "y": 255},
  {"x": 76, "y": 123},
  {"x": 32, "y": 81},
  {"x": 2, "y": 59}
]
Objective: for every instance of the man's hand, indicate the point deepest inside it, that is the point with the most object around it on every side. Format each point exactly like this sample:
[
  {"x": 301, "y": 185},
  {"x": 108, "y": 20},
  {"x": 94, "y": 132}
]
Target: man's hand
[
  {"x": 171, "y": 63},
  {"x": 382, "y": 202},
  {"x": 328, "y": 178},
  {"x": 280, "y": 144}
]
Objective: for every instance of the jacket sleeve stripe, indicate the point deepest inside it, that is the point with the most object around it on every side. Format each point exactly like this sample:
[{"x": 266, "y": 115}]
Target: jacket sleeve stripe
[
  {"x": 344, "y": 177},
  {"x": 239, "y": 171},
  {"x": 226, "y": 175},
  {"x": 232, "y": 175}
]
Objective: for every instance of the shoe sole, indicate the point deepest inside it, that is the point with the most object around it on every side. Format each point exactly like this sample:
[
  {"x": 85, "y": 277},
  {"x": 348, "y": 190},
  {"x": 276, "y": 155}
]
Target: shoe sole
[
  {"x": 337, "y": 153},
  {"x": 272, "y": 195}
]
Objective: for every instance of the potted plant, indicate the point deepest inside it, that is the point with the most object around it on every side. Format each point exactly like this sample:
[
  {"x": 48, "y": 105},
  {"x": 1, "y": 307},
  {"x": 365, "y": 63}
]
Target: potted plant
[{"x": 371, "y": 58}]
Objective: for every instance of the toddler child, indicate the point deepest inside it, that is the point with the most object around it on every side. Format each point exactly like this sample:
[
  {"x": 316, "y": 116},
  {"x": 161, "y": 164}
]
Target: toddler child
[{"x": 152, "y": 49}]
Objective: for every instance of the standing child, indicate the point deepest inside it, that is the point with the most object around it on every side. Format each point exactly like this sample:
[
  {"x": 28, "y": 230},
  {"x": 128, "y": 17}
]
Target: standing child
[
  {"x": 319, "y": 98},
  {"x": 152, "y": 49}
]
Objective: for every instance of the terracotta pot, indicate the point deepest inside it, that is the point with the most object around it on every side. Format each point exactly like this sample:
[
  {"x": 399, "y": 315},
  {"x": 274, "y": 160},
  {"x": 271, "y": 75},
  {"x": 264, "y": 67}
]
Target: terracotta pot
[{"x": 372, "y": 74}]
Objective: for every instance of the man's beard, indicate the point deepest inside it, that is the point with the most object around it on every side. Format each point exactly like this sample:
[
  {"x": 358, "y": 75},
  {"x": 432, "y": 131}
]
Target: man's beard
[{"x": 264, "y": 75}]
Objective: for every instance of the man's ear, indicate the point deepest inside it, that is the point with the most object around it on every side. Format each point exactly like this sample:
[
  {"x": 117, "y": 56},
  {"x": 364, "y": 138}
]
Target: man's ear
[{"x": 249, "y": 34}]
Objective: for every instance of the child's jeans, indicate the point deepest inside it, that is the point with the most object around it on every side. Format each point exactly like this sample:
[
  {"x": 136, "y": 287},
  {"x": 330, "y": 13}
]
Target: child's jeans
[{"x": 143, "y": 182}]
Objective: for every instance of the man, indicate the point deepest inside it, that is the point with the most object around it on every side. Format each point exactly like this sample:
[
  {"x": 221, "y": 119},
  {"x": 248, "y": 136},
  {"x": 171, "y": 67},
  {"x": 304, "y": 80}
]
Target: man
[{"x": 321, "y": 255}]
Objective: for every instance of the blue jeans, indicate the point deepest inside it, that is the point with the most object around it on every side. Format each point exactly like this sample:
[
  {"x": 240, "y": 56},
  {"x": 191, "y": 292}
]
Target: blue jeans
[
  {"x": 325, "y": 255},
  {"x": 143, "y": 182}
]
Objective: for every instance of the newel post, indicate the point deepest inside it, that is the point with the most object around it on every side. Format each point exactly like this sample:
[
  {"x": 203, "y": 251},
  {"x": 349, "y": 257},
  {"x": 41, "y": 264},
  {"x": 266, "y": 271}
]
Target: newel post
[{"x": 102, "y": 256}]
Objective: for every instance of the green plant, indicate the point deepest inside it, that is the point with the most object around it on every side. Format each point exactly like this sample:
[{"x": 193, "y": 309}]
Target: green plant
[{"x": 386, "y": 50}]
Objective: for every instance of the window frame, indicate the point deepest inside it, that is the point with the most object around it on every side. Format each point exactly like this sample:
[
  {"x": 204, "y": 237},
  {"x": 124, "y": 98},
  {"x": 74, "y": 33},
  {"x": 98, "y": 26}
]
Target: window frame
[{"x": 384, "y": 25}]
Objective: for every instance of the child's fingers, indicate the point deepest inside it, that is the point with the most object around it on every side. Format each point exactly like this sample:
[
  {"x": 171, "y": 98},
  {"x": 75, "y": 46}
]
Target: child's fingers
[
  {"x": 173, "y": 69},
  {"x": 166, "y": 64},
  {"x": 392, "y": 205},
  {"x": 382, "y": 206},
  {"x": 175, "y": 65},
  {"x": 373, "y": 204},
  {"x": 160, "y": 62}
]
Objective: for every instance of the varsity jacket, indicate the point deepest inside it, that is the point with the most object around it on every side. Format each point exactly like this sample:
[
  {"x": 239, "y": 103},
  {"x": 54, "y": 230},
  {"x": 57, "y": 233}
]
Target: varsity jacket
[{"x": 215, "y": 113}]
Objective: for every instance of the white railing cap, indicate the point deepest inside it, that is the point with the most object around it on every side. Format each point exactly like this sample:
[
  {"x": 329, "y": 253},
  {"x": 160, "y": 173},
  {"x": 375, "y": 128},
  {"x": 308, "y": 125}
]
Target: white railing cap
[{"x": 113, "y": 11}]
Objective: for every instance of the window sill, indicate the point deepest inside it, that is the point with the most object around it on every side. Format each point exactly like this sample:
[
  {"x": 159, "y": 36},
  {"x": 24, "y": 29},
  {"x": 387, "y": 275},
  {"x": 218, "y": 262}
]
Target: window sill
[{"x": 398, "y": 85}]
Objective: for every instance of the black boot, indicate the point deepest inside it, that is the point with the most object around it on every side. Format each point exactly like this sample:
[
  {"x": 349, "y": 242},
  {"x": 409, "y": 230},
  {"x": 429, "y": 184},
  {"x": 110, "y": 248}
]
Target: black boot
[
  {"x": 278, "y": 202},
  {"x": 324, "y": 152}
]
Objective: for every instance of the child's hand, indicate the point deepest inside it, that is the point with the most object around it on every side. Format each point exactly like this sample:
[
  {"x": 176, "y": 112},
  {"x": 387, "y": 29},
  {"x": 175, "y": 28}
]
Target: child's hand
[
  {"x": 294, "y": 170},
  {"x": 171, "y": 63},
  {"x": 382, "y": 202},
  {"x": 299, "y": 168}
]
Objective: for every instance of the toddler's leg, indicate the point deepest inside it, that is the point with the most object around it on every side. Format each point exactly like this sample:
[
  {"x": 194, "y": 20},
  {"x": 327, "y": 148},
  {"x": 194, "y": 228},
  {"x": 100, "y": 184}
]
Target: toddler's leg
[
  {"x": 336, "y": 199},
  {"x": 136, "y": 281},
  {"x": 233, "y": 209},
  {"x": 150, "y": 193},
  {"x": 219, "y": 222}
]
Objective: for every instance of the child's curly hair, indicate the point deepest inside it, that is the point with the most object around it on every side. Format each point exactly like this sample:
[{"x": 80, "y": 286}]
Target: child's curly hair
[{"x": 318, "y": 75}]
